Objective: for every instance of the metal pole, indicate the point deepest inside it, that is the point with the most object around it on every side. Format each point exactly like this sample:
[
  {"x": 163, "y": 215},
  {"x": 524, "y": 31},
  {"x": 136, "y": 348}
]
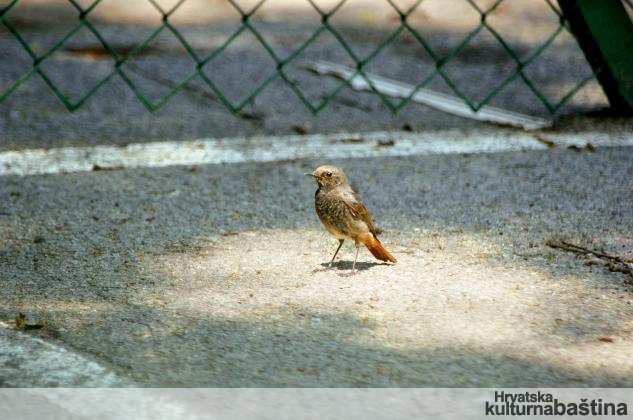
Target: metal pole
[{"x": 605, "y": 34}]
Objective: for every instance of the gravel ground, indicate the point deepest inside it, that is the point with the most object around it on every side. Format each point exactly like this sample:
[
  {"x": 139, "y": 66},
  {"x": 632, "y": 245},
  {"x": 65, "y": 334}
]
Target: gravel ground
[{"x": 214, "y": 276}]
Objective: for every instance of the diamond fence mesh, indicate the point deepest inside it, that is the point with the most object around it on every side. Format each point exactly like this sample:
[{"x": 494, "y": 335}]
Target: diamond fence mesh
[{"x": 122, "y": 58}]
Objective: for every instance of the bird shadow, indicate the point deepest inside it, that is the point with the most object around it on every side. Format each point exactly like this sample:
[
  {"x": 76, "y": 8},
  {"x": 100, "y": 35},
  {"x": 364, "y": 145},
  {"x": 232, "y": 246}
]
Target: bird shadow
[{"x": 346, "y": 266}]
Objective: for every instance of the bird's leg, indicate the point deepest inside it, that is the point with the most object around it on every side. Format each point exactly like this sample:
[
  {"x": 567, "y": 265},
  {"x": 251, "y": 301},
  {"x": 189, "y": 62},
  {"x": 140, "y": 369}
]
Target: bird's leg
[
  {"x": 357, "y": 244},
  {"x": 340, "y": 244}
]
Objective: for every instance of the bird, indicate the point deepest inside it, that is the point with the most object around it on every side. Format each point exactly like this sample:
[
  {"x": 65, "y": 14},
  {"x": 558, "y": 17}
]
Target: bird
[{"x": 344, "y": 215}]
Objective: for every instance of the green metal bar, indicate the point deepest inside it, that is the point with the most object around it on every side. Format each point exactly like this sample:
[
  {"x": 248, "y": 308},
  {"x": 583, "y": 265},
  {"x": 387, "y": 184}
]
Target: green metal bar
[
  {"x": 8, "y": 7},
  {"x": 605, "y": 34}
]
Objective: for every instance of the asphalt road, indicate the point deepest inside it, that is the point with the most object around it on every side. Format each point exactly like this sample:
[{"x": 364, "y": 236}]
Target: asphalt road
[{"x": 213, "y": 275}]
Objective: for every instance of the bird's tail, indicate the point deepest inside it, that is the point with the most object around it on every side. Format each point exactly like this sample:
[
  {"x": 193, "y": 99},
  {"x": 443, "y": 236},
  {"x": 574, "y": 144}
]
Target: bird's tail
[{"x": 375, "y": 247}]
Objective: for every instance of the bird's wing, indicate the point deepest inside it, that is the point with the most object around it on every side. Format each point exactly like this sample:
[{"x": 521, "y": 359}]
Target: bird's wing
[{"x": 358, "y": 210}]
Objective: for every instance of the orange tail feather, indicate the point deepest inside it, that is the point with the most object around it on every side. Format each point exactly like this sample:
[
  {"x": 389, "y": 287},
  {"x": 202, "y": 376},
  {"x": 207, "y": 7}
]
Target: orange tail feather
[{"x": 375, "y": 247}]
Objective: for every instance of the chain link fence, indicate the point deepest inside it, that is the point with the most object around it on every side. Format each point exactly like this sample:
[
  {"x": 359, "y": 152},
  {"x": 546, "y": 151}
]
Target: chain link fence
[{"x": 402, "y": 11}]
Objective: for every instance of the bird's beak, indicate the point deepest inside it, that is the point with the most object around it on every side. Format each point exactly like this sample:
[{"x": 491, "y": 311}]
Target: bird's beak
[{"x": 310, "y": 174}]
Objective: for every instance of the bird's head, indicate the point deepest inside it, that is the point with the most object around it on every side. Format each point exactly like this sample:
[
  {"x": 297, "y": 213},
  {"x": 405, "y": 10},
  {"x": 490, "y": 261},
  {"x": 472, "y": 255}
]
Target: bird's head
[{"x": 328, "y": 176}]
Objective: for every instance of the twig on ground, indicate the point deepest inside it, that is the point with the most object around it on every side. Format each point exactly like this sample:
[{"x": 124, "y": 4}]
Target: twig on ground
[
  {"x": 21, "y": 323},
  {"x": 614, "y": 262}
]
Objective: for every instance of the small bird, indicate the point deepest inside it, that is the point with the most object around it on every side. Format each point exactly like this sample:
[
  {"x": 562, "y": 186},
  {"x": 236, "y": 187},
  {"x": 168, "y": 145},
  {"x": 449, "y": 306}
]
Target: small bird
[{"x": 344, "y": 215}]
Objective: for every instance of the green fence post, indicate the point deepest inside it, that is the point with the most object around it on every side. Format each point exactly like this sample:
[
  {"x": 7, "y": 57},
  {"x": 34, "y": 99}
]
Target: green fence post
[{"x": 605, "y": 34}]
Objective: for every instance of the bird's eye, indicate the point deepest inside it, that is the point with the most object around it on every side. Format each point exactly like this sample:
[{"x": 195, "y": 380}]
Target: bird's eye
[{"x": 328, "y": 174}]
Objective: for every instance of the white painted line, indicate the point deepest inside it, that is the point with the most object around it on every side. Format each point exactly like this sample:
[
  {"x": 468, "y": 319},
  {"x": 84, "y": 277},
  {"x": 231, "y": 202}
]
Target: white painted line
[
  {"x": 271, "y": 149},
  {"x": 447, "y": 103},
  {"x": 27, "y": 361}
]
